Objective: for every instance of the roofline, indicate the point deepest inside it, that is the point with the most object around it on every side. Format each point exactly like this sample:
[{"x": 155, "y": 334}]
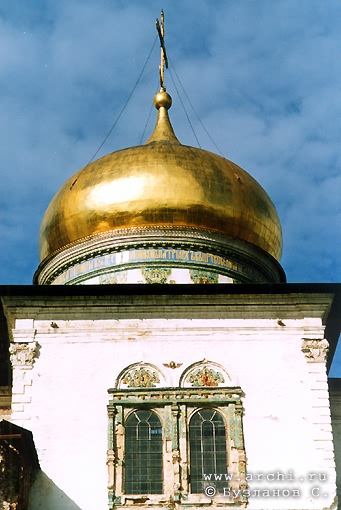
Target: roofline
[
  {"x": 177, "y": 289},
  {"x": 332, "y": 323}
]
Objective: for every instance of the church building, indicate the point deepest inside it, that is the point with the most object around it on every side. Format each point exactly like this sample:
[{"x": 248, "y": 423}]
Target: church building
[{"x": 160, "y": 360}]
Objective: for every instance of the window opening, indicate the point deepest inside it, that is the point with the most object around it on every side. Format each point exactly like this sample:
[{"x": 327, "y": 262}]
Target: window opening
[
  {"x": 143, "y": 453},
  {"x": 207, "y": 439}
]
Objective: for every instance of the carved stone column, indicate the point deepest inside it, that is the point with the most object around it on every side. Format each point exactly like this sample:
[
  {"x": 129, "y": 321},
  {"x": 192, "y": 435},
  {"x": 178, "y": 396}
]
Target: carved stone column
[
  {"x": 119, "y": 436},
  {"x": 176, "y": 453},
  {"x": 241, "y": 450},
  {"x": 111, "y": 456},
  {"x": 316, "y": 351},
  {"x": 22, "y": 356},
  {"x": 183, "y": 450}
]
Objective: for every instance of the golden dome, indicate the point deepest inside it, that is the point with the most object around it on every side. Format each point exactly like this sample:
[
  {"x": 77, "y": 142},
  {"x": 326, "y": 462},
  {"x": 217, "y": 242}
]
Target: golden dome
[{"x": 161, "y": 183}]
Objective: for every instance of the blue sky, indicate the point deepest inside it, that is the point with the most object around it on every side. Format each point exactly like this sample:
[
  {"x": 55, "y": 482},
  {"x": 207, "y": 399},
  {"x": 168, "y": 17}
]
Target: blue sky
[{"x": 263, "y": 76}]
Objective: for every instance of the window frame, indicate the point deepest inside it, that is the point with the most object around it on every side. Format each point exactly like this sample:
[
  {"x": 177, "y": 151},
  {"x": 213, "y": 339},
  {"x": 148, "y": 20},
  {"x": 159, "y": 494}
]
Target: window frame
[
  {"x": 134, "y": 443},
  {"x": 214, "y": 439},
  {"x": 174, "y": 408}
]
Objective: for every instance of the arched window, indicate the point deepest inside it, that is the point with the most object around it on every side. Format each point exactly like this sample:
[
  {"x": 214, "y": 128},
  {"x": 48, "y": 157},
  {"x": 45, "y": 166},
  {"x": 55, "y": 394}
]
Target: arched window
[
  {"x": 186, "y": 435},
  {"x": 207, "y": 438},
  {"x": 143, "y": 453}
]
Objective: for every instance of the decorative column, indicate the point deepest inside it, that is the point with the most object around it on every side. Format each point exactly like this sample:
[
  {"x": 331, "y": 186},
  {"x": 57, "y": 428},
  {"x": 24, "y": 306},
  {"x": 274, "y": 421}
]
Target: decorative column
[
  {"x": 315, "y": 351},
  {"x": 22, "y": 356},
  {"x": 241, "y": 448},
  {"x": 183, "y": 449},
  {"x": 115, "y": 455},
  {"x": 176, "y": 459},
  {"x": 111, "y": 457},
  {"x": 169, "y": 441}
]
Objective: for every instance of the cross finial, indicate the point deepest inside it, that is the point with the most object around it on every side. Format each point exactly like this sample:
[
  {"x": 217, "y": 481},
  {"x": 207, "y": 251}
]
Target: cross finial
[{"x": 160, "y": 27}]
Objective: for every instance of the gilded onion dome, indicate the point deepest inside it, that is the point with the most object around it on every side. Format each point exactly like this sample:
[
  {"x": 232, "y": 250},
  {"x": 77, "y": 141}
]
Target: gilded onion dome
[
  {"x": 162, "y": 186},
  {"x": 161, "y": 183},
  {"x": 162, "y": 212}
]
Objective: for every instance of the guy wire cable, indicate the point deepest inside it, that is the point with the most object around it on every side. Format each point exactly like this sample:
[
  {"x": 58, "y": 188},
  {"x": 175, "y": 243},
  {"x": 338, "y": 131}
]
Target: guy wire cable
[
  {"x": 194, "y": 110},
  {"x": 126, "y": 103}
]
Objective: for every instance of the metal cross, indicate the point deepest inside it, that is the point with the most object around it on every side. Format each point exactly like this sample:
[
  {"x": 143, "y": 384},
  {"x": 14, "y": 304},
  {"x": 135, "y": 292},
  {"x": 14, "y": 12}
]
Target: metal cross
[{"x": 164, "y": 61}]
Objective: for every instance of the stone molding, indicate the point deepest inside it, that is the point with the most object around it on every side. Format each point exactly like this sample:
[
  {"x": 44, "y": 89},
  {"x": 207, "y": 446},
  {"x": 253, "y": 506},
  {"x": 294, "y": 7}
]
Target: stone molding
[
  {"x": 250, "y": 263},
  {"x": 23, "y": 335},
  {"x": 315, "y": 349},
  {"x": 23, "y": 354},
  {"x": 161, "y": 396}
]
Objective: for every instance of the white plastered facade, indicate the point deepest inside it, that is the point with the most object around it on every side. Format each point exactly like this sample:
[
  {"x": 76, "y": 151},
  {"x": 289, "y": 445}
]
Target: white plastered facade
[{"x": 66, "y": 355}]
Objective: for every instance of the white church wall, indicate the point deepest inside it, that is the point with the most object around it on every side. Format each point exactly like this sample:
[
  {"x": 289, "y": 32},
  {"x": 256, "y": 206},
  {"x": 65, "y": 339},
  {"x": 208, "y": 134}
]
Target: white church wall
[
  {"x": 60, "y": 393},
  {"x": 335, "y": 404}
]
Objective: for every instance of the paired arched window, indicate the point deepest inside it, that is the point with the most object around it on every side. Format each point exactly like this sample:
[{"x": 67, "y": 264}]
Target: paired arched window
[
  {"x": 188, "y": 436},
  {"x": 208, "y": 457},
  {"x": 143, "y": 453}
]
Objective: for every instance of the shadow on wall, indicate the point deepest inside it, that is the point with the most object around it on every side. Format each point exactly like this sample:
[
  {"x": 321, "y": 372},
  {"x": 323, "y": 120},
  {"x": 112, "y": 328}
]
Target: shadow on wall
[{"x": 45, "y": 495}]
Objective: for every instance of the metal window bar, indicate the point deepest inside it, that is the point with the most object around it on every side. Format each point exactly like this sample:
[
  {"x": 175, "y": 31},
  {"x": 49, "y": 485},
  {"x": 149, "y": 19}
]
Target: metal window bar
[
  {"x": 208, "y": 456},
  {"x": 143, "y": 454}
]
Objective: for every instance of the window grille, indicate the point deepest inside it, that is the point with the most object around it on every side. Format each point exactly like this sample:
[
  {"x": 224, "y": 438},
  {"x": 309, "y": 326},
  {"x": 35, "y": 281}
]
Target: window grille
[
  {"x": 161, "y": 441},
  {"x": 207, "y": 438},
  {"x": 143, "y": 453}
]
